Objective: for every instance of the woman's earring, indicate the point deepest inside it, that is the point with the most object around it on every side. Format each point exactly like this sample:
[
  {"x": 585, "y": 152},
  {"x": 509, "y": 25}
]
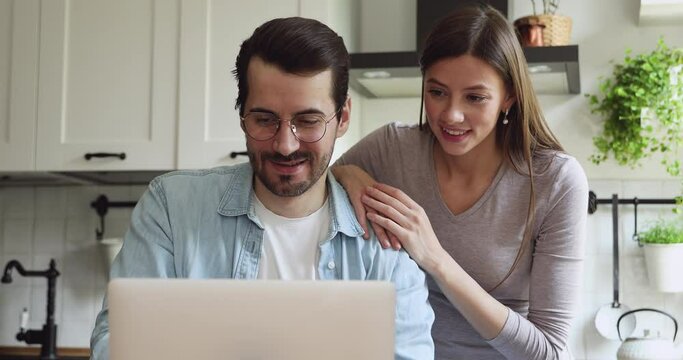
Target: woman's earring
[{"x": 505, "y": 118}]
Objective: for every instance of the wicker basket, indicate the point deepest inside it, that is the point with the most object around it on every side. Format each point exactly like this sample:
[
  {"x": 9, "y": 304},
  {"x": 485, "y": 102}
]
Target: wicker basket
[{"x": 557, "y": 29}]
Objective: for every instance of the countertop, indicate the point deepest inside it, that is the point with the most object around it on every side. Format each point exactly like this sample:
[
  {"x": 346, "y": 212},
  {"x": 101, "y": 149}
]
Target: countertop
[{"x": 33, "y": 352}]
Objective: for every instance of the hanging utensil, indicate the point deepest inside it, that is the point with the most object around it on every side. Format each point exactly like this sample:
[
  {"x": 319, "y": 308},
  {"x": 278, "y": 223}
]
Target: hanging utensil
[
  {"x": 608, "y": 314},
  {"x": 636, "y": 236}
]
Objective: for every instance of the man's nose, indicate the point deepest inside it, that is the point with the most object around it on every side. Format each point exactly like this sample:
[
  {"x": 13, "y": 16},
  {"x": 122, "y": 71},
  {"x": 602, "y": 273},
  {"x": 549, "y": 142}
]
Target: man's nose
[{"x": 285, "y": 142}]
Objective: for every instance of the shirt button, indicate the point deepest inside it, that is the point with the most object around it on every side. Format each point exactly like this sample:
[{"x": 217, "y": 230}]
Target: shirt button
[{"x": 331, "y": 265}]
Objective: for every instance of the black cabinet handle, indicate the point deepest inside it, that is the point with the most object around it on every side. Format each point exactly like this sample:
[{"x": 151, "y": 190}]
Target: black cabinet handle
[
  {"x": 89, "y": 156},
  {"x": 235, "y": 154}
]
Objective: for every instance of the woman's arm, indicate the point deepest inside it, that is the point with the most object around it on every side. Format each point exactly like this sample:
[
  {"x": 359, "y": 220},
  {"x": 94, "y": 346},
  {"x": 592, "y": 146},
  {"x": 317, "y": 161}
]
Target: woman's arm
[
  {"x": 554, "y": 278},
  {"x": 402, "y": 216},
  {"x": 355, "y": 181}
]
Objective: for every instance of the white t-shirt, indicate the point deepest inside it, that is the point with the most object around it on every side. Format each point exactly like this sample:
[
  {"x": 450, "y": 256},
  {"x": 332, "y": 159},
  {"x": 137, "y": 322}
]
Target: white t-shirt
[{"x": 290, "y": 245}]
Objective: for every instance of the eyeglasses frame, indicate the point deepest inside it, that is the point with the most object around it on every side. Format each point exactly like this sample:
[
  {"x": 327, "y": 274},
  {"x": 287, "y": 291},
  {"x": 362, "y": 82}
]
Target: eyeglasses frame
[{"x": 326, "y": 118}]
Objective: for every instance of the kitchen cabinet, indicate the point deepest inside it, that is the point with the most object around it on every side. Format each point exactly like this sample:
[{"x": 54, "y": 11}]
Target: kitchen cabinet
[
  {"x": 658, "y": 12},
  {"x": 211, "y": 34},
  {"x": 18, "y": 75},
  {"x": 135, "y": 84},
  {"x": 108, "y": 84}
]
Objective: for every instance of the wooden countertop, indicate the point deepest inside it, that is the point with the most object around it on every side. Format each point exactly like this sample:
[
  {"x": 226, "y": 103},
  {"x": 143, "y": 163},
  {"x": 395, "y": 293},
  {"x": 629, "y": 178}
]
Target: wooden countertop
[{"x": 35, "y": 351}]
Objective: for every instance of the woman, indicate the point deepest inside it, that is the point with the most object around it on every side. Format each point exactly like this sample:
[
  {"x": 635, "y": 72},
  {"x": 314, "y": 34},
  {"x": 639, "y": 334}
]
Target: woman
[{"x": 489, "y": 204}]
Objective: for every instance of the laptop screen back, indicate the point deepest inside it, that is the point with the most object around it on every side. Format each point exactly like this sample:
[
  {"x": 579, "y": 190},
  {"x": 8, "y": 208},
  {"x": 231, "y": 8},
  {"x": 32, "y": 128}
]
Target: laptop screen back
[{"x": 258, "y": 319}]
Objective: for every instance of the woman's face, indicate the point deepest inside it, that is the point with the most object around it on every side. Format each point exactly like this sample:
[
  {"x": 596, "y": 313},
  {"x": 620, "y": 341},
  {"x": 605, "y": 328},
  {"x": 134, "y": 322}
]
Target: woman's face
[{"x": 464, "y": 97}]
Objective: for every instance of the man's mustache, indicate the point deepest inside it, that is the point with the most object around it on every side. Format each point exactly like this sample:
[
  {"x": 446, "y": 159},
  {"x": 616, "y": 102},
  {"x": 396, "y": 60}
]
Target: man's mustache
[{"x": 295, "y": 156}]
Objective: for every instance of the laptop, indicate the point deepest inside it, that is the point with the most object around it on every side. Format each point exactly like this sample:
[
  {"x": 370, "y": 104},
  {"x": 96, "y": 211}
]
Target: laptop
[{"x": 250, "y": 319}]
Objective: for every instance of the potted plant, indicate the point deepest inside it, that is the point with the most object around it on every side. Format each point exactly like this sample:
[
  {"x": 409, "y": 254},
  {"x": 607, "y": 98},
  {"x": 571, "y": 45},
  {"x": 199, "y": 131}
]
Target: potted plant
[
  {"x": 663, "y": 245},
  {"x": 555, "y": 29},
  {"x": 642, "y": 107}
]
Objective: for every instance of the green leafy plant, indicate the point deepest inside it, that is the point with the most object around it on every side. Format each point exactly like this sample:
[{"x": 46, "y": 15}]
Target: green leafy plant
[
  {"x": 549, "y": 6},
  {"x": 642, "y": 107},
  {"x": 664, "y": 232}
]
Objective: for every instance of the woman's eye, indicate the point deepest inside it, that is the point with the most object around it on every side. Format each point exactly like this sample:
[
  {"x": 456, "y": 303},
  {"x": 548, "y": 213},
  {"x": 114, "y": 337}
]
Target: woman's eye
[
  {"x": 476, "y": 98},
  {"x": 436, "y": 92}
]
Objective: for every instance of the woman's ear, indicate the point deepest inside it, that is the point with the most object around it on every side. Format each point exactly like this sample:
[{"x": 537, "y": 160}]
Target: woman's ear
[{"x": 509, "y": 101}]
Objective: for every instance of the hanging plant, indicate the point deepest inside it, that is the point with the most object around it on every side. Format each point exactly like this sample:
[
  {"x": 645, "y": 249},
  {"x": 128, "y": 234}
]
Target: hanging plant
[{"x": 642, "y": 107}]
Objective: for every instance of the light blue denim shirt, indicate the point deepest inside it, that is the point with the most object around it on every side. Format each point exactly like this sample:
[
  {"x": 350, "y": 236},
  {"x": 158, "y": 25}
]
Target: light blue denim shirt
[{"x": 201, "y": 224}]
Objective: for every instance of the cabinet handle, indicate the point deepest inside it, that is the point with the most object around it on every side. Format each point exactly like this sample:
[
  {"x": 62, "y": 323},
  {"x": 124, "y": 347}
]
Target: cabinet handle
[
  {"x": 235, "y": 154},
  {"x": 89, "y": 156}
]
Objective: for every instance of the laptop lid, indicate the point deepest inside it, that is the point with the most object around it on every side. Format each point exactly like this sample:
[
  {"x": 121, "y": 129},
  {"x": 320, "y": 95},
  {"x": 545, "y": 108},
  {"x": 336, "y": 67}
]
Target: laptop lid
[{"x": 250, "y": 319}]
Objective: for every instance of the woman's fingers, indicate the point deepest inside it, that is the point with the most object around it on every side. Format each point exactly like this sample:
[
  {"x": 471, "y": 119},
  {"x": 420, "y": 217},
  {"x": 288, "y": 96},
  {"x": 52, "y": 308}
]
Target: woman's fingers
[
  {"x": 380, "y": 233},
  {"x": 396, "y": 194},
  {"x": 387, "y": 224},
  {"x": 385, "y": 206},
  {"x": 395, "y": 243},
  {"x": 384, "y": 201}
]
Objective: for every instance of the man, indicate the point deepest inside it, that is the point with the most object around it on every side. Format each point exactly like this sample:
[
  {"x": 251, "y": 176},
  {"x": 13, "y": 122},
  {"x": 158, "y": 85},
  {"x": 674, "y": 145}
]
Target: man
[{"x": 282, "y": 215}]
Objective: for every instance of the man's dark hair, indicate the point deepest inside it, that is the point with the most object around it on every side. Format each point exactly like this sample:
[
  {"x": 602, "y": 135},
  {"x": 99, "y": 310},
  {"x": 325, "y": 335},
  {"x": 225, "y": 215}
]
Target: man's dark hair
[{"x": 297, "y": 46}]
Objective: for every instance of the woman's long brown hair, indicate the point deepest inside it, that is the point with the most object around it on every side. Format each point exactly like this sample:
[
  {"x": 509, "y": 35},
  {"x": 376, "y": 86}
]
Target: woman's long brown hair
[{"x": 483, "y": 32}]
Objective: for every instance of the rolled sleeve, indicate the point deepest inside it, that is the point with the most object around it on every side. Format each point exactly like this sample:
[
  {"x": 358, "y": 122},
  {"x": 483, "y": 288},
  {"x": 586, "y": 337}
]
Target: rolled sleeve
[{"x": 414, "y": 315}]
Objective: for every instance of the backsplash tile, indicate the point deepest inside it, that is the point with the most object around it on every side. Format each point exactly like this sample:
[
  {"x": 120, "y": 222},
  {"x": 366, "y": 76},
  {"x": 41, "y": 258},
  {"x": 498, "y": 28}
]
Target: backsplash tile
[
  {"x": 19, "y": 203},
  {"x": 50, "y": 202},
  {"x": 49, "y": 236},
  {"x": 33, "y": 230},
  {"x": 18, "y": 236},
  {"x": 43, "y": 223}
]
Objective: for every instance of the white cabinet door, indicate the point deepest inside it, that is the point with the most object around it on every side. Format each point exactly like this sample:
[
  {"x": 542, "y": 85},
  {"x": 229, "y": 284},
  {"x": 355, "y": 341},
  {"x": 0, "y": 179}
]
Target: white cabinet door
[
  {"x": 18, "y": 77},
  {"x": 211, "y": 34},
  {"x": 108, "y": 84}
]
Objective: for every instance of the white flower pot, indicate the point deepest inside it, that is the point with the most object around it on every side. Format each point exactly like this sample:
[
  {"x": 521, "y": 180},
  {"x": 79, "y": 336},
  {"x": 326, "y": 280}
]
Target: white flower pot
[
  {"x": 665, "y": 266},
  {"x": 109, "y": 248}
]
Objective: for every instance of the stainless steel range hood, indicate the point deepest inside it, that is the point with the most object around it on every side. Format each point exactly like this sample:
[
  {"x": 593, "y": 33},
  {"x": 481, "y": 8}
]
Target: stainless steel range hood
[{"x": 554, "y": 70}]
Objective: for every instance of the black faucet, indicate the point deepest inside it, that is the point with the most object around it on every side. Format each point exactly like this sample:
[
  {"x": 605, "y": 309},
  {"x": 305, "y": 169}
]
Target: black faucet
[{"x": 47, "y": 337}]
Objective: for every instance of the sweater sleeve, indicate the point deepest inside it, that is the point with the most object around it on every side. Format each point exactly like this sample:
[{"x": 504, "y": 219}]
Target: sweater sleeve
[
  {"x": 372, "y": 152},
  {"x": 556, "y": 273}
]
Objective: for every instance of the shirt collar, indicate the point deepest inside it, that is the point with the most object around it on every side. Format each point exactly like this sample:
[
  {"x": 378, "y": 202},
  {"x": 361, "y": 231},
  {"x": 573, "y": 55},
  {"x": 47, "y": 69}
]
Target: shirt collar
[{"x": 237, "y": 200}]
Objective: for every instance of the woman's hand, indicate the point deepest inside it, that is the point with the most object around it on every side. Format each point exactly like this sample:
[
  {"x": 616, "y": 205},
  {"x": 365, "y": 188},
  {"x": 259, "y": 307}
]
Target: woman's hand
[
  {"x": 355, "y": 181},
  {"x": 407, "y": 223}
]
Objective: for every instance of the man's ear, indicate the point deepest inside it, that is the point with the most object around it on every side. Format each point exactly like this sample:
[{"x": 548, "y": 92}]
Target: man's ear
[{"x": 345, "y": 118}]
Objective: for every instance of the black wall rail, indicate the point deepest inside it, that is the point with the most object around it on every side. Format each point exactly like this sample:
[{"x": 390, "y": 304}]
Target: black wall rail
[
  {"x": 593, "y": 202},
  {"x": 102, "y": 205}
]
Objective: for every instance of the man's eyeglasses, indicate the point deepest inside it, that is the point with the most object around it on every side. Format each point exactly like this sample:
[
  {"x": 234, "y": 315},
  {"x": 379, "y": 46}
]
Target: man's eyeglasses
[{"x": 308, "y": 128}]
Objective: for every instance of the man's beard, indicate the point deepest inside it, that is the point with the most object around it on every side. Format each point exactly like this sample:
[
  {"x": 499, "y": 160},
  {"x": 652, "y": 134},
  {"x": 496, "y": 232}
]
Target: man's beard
[{"x": 284, "y": 185}]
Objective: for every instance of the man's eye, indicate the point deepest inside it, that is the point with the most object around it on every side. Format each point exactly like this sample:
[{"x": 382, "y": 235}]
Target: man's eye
[
  {"x": 264, "y": 119},
  {"x": 307, "y": 120}
]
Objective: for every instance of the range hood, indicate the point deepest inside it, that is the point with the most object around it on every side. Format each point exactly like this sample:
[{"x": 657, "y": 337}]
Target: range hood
[{"x": 554, "y": 69}]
